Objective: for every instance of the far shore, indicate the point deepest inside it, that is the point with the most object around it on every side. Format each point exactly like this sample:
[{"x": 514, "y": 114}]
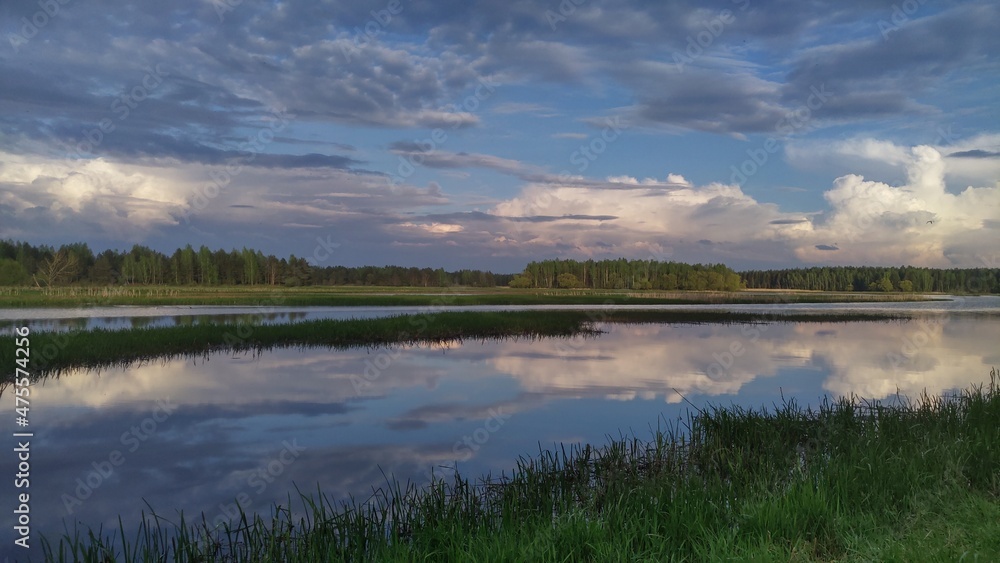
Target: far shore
[{"x": 375, "y": 296}]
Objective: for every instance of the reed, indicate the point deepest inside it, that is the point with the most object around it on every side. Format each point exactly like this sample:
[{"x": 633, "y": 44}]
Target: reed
[
  {"x": 98, "y": 348},
  {"x": 359, "y": 296}
]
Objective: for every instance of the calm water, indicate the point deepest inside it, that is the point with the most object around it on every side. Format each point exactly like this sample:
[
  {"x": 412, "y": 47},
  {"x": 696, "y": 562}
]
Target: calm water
[
  {"x": 197, "y": 434},
  {"x": 119, "y": 317}
]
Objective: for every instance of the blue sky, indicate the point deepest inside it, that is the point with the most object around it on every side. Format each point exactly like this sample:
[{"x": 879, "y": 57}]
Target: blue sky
[{"x": 488, "y": 134}]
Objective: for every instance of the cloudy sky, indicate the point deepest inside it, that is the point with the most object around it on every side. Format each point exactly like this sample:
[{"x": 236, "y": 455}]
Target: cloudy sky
[{"x": 759, "y": 133}]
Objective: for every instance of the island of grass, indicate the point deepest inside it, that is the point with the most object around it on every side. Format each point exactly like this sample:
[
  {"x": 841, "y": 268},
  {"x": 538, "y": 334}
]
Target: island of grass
[
  {"x": 56, "y": 351},
  {"x": 367, "y": 296},
  {"x": 851, "y": 481}
]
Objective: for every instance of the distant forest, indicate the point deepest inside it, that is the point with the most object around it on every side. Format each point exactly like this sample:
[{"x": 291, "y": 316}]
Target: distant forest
[
  {"x": 627, "y": 274},
  {"x": 877, "y": 278},
  {"x": 22, "y": 264},
  {"x": 70, "y": 264}
]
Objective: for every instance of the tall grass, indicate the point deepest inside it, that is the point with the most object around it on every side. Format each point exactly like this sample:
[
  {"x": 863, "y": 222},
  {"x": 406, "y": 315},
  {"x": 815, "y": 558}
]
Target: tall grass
[
  {"x": 405, "y": 296},
  {"x": 851, "y": 480},
  {"x": 98, "y": 348}
]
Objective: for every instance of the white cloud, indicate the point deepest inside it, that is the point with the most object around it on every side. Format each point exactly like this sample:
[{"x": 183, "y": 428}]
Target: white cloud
[
  {"x": 435, "y": 228},
  {"x": 120, "y": 200},
  {"x": 918, "y": 221}
]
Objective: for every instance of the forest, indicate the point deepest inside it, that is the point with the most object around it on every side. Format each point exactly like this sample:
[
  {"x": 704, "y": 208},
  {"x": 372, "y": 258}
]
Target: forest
[
  {"x": 878, "y": 278},
  {"x": 23, "y": 264},
  {"x": 627, "y": 274},
  {"x": 76, "y": 264}
]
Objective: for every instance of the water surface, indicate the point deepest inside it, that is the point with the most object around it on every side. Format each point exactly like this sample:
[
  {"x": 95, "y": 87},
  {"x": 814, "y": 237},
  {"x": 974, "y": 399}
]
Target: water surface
[{"x": 195, "y": 434}]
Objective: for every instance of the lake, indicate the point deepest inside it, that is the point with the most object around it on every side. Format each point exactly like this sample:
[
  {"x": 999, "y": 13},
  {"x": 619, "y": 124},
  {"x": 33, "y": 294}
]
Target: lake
[{"x": 196, "y": 434}]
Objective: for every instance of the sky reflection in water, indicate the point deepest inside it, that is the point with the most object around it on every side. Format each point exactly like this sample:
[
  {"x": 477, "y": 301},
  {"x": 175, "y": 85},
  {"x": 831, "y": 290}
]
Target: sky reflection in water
[{"x": 249, "y": 427}]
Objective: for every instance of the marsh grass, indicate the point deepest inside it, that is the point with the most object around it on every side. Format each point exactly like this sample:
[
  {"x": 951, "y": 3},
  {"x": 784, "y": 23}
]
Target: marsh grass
[
  {"x": 851, "y": 480},
  {"x": 367, "y": 296},
  {"x": 99, "y": 348}
]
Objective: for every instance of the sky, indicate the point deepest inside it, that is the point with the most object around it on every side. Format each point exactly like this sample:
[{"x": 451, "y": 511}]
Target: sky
[{"x": 486, "y": 134}]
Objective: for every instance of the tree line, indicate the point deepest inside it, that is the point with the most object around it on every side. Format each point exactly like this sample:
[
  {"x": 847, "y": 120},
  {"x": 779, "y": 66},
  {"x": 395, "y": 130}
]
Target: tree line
[
  {"x": 627, "y": 274},
  {"x": 24, "y": 264},
  {"x": 877, "y": 278}
]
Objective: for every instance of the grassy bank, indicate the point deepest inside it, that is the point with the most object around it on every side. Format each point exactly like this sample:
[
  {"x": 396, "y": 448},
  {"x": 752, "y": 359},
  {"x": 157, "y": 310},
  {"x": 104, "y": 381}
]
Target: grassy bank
[
  {"x": 101, "y": 348},
  {"x": 350, "y": 296},
  {"x": 852, "y": 481}
]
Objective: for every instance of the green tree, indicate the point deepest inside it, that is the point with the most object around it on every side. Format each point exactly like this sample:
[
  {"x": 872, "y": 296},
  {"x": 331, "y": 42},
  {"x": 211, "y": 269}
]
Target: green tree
[
  {"x": 12, "y": 273},
  {"x": 520, "y": 282},
  {"x": 207, "y": 267},
  {"x": 567, "y": 281},
  {"x": 886, "y": 284}
]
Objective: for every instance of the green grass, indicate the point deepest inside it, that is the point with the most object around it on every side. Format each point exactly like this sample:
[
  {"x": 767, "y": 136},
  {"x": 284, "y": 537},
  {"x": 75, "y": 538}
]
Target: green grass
[
  {"x": 850, "y": 481},
  {"x": 413, "y": 296},
  {"x": 52, "y": 352}
]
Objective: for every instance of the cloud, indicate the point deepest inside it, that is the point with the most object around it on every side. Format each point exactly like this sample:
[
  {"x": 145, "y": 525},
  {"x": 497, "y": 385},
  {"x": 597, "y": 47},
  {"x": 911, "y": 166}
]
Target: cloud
[
  {"x": 434, "y": 158},
  {"x": 182, "y": 92},
  {"x": 874, "y": 222},
  {"x": 733, "y": 101},
  {"x": 975, "y": 153},
  {"x": 884, "y": 74},
  {"x": 435, "y": 228}
]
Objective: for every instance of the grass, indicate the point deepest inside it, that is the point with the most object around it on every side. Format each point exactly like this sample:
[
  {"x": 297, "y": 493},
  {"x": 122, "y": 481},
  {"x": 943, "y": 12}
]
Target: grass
[
  {"x": 850, "y": 481},
  {"x": 53, "y": 352},
  {"x": 413, "y": 296}
]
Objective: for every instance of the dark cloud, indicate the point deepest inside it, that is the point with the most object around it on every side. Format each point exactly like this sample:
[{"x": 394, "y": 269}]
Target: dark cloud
[
  {"x": 431, "y": 157},
  {"x": 884, "y": 73},
  {"x": 788, "y": 221},
  {"x": 487, "y": 217},
  {"x": 976, "y": 153},
  {"x": 826, "y": 247},
  {"x": 703, "y": 100}
]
